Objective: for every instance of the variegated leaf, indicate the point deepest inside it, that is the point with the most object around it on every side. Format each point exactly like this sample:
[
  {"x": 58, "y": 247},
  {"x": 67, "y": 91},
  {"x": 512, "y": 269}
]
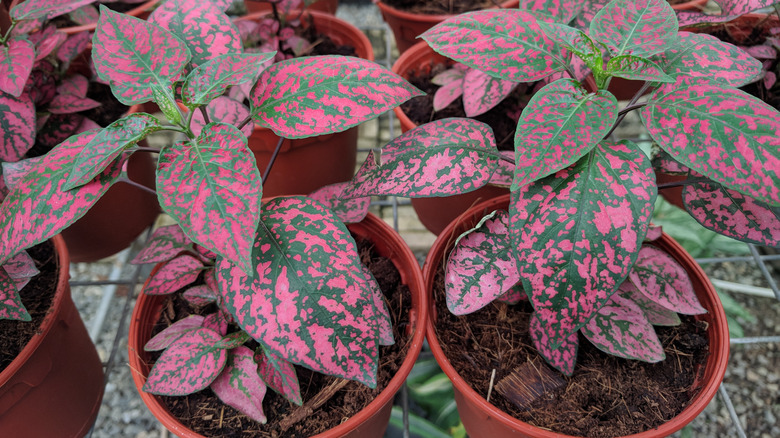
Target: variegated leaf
[
  {"x": 725, "y": 134},
  {"x": 174, "y": 275},
  {"x": 17, "y": 126},
  {"x": 653, "y": 233},
  {"x": 233, "y": 340},
  {"x": 222, "y": 110},
  {"x": 279, "y": 375},
  {"x": 577, "y": 233},
  {"x": 560, "y": 124},
  {"x": 166, "y": 243},
  {"x": 87, "y": 14},
  {"x": 481, "y": 266},
  {"x": 635, "y": 27},
  {"x": 450, "y": 75},
  {"x": 38, "y": 198},
  {"x": 348, "y": 210},
  {"x": 659, "y": 277},
  {"x": 11, "y": 306},
  {"x": 655, "y": 313},
  {"x": 170, "y": 334},
  {"x": 239, "y": 385},
  {"x": 207, "y": 31},
  {"x": 730, "y": 9},
  {"x": 589, "y": 9},
  {"x": 200, "y": 295},
  {"x": 732, "y": 214},
  {"x": 514, "y": 295},
  {"x": 134, "y": 56},
  {"x": 621, "y": 329},
  {"x": 58, "y": 128},
  {"x": 48, "y": 9},
  {"x": 76, "y": 85},
  {"x": 304, "y": 301},
  {"x": 315, "y": 95},
  {"x": 561, "y": 11},
  {"x": 505, "y": 172},
  {"x": 46, "y": 41},
  {"x": 189, "y": 365},
  {"x": 108, "y": 145},
  {"x": 21, "y": 266},
  {"x": 212, "y": 78},
  {"x": 636, "y": 69},
  {"x": 482, "y": 92},
  {"x": 216, "y": 321},
  {"x": 16, "y": 62},
  {"x": 68, "y": 103},
  {"x": 72, "y": 46},
  {"x": 700, "y": 55},
  {"x": 444, "y": 157},
  {"x": 378, "y": 313},
  {"x": 574, "y": 40},
  {"x": 447, "y": 94},
  {"x": 211, "y": 187},
  {"x": 504, "y": 43},
  {"x": 564, "y": 357}
]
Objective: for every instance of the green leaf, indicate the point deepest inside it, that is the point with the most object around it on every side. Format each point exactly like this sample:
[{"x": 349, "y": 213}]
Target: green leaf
[{"x": 637, "y": 69}]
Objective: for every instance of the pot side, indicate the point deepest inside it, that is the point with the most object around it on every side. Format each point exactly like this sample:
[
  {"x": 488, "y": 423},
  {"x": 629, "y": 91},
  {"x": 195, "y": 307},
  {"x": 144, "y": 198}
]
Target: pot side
[
  {"x": 482, "y": 419},
  {"x": 54, "y": 387},
  {"x": 326, "y": 6},
  {"x": 370, "y": 422}
]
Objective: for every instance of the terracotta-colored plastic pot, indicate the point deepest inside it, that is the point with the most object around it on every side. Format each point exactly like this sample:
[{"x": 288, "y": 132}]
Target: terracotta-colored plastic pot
[
  {"x": 119, "y": 217},
  {"x": 370, "y": 422},
  {"x": 304, "y": 165},
  {"x": 55, "y": 385},
  {"x": 407, "y": 26},
  {"x": 435, "y": 213},
  {"x": 482, "y": 419},
  {"x": 326, "y": 6}
]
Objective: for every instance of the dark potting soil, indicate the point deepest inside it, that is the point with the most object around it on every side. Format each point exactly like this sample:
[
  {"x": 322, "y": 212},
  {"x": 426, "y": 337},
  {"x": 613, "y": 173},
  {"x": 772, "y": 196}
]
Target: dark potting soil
[
  {"x": 37, "y": 297},
  {"x": 440, "y": 7},
  {"x": 502, "y": 118},
  {"x": 605, "y": 397},
  {"x": 204, "y": 413}
]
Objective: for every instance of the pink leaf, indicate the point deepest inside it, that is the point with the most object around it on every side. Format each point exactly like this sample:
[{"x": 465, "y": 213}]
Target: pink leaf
[
  {"x": 217, "y": 322},
  {"x": 482, "y": 92},
  {"x": 189, "y": 365},
  {"x": 660, "y": 278},
  {"x": 730, "y": 9},
  {"x": 47, "y": 40},
  {"x": 564, "y": 357},
  {"x": 68, "y": 103},
  {"x": 447, "y": 94},
  {"x": 770, "y": 78},
  {"x": 653, "y": 233},
  {"x": 481, "y": 267},
  {"x": 170, "y": 334},
  {"x": 17, "y": 118},
  {"x": 239, "y": 385},
  {"x": 513, "y": 296},
  {"x": 200, "y": 295},
  {"x": 21, "y": 268},
  {"x": 348, "y": 210},
  {"x": 174, "y": 275},
  {"x": 32, "y": 9},
  {"x": 11, "y": 306},
  {"x": 505, "y": 171},
  {"x": 16, "y": 62},
  {"x": 212, "y": 78},
  {"x": 223, "y": 110},
  {"x": 72, "y": 46},
  {"x": 211, "y": 187},
  {"x": 166, "y": 243},
  {"x": 655, "y": 313},
  {"x": 75, "y": 85},
  {"x": 635, "y": 27},
  {"x": 379, "y": 312},
  {"x": 562, "y": 11},
  {"x": 315, "y": 95},
  {"x": 454, "y": 74},
  {"x": 87, "y": 14},
  {"x": 279, "y": 375},
  {"x": 620, "y": 328}
]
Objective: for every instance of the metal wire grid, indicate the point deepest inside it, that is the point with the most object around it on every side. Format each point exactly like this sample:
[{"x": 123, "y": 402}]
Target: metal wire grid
[{"x": 137, "y": 274}]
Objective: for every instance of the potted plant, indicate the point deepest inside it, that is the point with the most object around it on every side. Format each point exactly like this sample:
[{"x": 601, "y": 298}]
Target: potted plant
[
  {"x": 326, "y": 6},
  {"x": 208, "y": 181},
  {"x": 573, "y": 238}
]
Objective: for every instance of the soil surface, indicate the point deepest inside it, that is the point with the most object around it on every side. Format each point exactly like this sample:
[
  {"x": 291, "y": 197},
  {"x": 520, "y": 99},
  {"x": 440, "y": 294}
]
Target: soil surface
[
  {"x": 37, "y": 296},
  {"x": 204, "y": 413},
  {"x": 605, "y": 397}
]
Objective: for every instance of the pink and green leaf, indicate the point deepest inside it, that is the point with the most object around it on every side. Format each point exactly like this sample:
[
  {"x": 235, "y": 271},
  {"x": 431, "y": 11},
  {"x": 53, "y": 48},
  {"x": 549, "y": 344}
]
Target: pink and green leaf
[
  {"x": 621, "y": 329},
  {"x": 174, "y": 275},
  {"x": 732, "y": 214},
  {"x": 200, "y": 295},
  {"x": 504, "y": 43},
  {"x": 211, "y": 187},
  {"x": 561, "y": 11},
  {"x": 73, "y": 46},
  {"x": 635, "y": 27},
  {"x": 723, "y": 133},
  {"x": 600, "y": 208},
  {"x": 700, "y": 55},
  {"x": 189, "y": 365},
  {"x": 482, "y": 92},
  {"x": 446, "y": 94},
  {"x": 564, "y": 357},
  {"x": 207, "y": 31},
  {"x": 348, "y": 210},
  {"x": 729, "y": 10},
  {"x": 574, "y": 40},
  {"x": 68, "y": 103},
  {"x": 636, "y": 68},
  {"x": 11, "y": 306},
  {"x": 315, "y": 95},
  {"x": 444, "y": 157},
  {"x": 655, "y": 313},
  {"x": 17, "y": 126},
  {"x": 48, "y": 9},
  {"x": 505, "y": 172},
  {"x": 560, "y": 124},
  {"x": 21, "y": 267},
  {"x": 46, "y": 41},
  {"x": 379, "y": 312},
  {"x": 514, "y": 295},
  {"x": 166, "y": 243},
  {"x": 16, "y": 62},
  {"x": 39, "y": 198},
  {"x": 279, "y": 375},
  {"x": 481, "y": 266},
  {"x": 87, "y": 14},
  {"x": 170, "y": 334},
  {"x": 133, "y": 55},
  {"x": 239, "y": 385},
  {"x": 660, "y": 278},
  {"x": 223, "y": 110},
  {"x": 216, "y": 321},
  {"x": 306, "y": 296},
  {"x": 213, "y": 77},
  {"x": 233, "y": 340},
  {"x": 76, "y": 85}
]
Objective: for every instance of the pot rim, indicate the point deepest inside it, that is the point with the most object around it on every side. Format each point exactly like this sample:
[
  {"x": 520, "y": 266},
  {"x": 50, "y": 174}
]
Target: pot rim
[{"x": 714, "y": 369}]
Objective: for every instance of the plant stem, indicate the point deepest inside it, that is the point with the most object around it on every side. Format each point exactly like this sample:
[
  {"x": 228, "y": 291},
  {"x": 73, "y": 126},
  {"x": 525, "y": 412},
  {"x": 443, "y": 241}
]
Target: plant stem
[
  {"x": 273, "y": 158},
  {"x": 137, "y": 185},
  {"x": 152, "y": 150},
  {"x": 205, "y": 114},
  {"x": 622, "y": 114},
  {"x": 244, "y": 122},
  {"x": 687, "y": 182}
]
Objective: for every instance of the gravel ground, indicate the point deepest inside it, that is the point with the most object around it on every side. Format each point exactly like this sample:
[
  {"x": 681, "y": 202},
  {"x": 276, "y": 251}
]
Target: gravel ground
[{"x": 752, "y": 380}]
